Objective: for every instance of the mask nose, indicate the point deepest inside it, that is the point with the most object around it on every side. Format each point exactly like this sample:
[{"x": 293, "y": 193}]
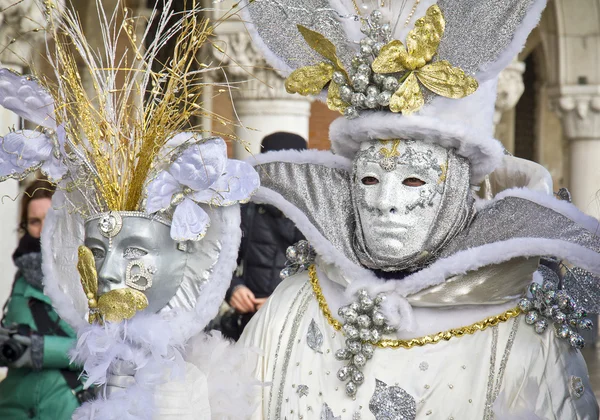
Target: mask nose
[
  {"x": 387, "y": 202},
  {"x": 111, "y": 275}
]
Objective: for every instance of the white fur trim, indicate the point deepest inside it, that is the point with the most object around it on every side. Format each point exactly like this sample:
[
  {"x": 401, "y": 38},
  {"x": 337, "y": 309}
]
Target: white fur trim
[
  {"x": 150, "y": 341},
  {"x": 484, "y": 153}
]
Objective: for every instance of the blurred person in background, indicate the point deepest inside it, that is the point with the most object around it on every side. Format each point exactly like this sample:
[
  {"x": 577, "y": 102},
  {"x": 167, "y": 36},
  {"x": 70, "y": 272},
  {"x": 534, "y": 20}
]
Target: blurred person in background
[
  {"x": 34, "y": 342},
  {"x": 267, "y": 233}
]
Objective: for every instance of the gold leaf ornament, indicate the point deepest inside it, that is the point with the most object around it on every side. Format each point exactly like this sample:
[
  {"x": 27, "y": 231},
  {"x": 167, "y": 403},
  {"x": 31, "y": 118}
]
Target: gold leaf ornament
[
  {"x": 323, "y": 46},
  {"x": 120, "y": 304},
  {"x": 391, "y": 58},
  {"x": 309, "y": 80},
  {"x": 451, "y": 82},
  {"x": 421, "y": 45},
  {"x": 408, "y": 98},
  {"x": 423, "y": 41},
  {"x": 334, "y": 100},
  {"x": 86, "y": 265}
]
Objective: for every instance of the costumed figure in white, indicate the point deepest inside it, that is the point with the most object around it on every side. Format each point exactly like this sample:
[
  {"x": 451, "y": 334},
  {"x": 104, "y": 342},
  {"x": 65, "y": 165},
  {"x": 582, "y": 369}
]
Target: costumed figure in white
[
  {"x": 420, "y": 292},
  {"x": 142, "y": 238}
]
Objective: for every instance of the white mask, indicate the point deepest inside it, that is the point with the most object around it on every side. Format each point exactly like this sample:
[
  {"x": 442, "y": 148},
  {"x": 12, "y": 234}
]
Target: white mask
[{"x": 398, "y": 190}]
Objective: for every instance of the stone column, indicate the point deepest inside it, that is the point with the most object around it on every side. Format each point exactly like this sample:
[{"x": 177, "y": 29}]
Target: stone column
[
  {"x": 510, "y": 88},
  {"x": 260, "y": 101},
  {"x": 579, "y": 109}
]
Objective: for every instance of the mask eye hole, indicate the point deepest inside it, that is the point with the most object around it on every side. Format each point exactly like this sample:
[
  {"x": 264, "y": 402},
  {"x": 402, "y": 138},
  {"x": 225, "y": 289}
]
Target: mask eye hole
[
  {"x": 370, "y": 180},
  {"x": 133, "y": 253},
  {"x": 97, "y": 253},
  {"x": 413, "y": 182}
]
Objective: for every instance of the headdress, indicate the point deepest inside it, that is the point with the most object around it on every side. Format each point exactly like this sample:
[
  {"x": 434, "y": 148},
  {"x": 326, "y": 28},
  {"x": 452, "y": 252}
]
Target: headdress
[
  {"x": 118, "y": 136},
  {"x": 396, "y": 70}
]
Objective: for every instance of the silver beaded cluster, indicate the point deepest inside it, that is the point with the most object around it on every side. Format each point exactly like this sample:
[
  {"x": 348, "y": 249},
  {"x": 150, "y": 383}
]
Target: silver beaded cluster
[
  {"x": 550, "y": 304},
  {"x": 365, "y": 89},
  {"x": 299, "y": 256},
  {"x": 363, "y": 326}
]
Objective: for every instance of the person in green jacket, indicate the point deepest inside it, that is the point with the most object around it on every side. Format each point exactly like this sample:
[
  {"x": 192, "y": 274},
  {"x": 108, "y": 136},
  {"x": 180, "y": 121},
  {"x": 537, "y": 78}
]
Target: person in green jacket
[{"x": 34, "y": 342}]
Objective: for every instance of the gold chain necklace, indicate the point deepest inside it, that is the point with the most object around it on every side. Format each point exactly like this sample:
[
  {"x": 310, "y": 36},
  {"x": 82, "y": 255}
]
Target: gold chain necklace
[{"x": 415, "y": 342}]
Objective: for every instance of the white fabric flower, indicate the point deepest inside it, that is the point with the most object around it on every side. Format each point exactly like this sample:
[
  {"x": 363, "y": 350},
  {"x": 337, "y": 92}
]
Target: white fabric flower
[
  {"x": 200, "y": 174},
  {"x": 22, "y": 152}
]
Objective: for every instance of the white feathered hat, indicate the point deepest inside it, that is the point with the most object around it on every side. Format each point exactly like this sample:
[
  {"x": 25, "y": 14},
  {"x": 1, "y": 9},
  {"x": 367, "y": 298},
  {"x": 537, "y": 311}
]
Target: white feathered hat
[{"x": 424, "y": 70}]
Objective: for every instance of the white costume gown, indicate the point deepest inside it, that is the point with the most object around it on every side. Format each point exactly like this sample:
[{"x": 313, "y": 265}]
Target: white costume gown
[{"x": 508, "y": 370}]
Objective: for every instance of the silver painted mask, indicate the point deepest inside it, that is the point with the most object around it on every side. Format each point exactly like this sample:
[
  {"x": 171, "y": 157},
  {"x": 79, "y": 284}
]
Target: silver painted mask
[
  {"x": 399, "y": 194},
  {"x": 138, "y": 252}
]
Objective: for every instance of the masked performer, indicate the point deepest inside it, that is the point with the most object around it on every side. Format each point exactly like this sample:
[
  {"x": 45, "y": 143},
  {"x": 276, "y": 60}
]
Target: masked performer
[
  {"x": 143, "y": 232},
  {"x": 416, "y": 298}
]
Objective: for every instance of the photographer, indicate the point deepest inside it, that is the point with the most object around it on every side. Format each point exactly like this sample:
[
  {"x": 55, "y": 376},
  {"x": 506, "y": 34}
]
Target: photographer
[{"x": 34, "y": 341}]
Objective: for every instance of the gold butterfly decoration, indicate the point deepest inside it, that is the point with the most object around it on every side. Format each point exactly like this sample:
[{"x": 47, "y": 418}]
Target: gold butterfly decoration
[
  {"x": 421, "y": 46},
  {"x": 113, "y": 306},
  {"x": 413, "y": 62}
]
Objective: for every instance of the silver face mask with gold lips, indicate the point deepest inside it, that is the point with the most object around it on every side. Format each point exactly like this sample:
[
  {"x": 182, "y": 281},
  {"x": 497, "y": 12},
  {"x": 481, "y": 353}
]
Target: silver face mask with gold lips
[{"x": 135, "y": 252}]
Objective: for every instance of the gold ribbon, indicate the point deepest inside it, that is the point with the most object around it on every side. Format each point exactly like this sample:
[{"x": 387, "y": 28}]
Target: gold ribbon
[{"x": 415, "y": 342}]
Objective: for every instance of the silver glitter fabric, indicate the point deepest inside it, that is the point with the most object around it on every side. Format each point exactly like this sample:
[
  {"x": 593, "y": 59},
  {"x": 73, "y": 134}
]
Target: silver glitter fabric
[
  {"x": 302, "y": 391},
  {"x": 321, "y": 193},
  {"x": 324, "y": 196},
  {"x": 392, "y": 403},
  {"x": 577, "y": 387},
  {"x": 327, "y": 413},
  {"x": 276, "y": 22},
  {"x": 584, "y": 289},
  {"x": 314, "y": 337},
  {"x": 478, "y": 31},
  {"x": 519, "y": 218}
]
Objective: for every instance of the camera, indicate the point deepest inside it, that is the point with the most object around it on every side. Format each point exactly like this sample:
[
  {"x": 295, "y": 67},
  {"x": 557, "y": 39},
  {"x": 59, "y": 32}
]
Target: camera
[{"x": 11, "y": 350}]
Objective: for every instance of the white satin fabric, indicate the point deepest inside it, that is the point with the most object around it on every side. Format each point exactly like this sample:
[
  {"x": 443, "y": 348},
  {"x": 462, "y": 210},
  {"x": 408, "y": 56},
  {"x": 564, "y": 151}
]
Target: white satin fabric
[{"x": 447, "y": 380}]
